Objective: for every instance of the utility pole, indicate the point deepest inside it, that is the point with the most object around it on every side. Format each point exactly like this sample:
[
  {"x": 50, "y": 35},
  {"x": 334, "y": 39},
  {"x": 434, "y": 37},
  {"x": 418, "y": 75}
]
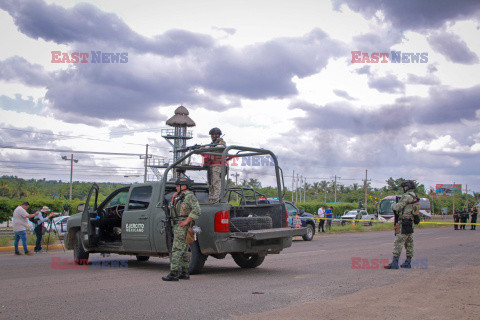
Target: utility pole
[
  {"x": 296, "y": 190},
  {"x": 146, "y": 162},
  {"x": 293, "y": 183},
  {"x": 335, "y": 187},
  {"x": 466, "y": 195},
  {"x": 146, "y": 156},
  {"x": 236, "y": 179},
  {"x": 71, "y": 170},
  {"x": 301, "y": 187},
  {"x": 453, "y": 188},
  {"x": 304, "y": 188},
  {"x": 365, "y": 185}
]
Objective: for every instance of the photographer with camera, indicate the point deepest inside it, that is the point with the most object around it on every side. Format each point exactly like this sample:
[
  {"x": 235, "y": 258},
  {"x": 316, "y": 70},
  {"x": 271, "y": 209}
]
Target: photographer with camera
[{"x": 38, "y": 221}]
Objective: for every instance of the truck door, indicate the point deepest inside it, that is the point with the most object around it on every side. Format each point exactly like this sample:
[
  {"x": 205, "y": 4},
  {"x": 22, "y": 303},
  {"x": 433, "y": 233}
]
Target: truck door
[
  {"x": 89, "y": 236},
  {"x": 136, "y": 220}
]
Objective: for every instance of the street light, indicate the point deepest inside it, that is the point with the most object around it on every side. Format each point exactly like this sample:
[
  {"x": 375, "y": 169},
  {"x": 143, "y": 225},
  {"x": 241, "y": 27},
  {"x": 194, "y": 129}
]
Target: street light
[{"x": 71, "y": 170}]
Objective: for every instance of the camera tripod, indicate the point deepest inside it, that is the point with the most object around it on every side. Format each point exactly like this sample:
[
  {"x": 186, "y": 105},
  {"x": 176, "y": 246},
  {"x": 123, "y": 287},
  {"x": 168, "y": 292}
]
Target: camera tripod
[{"x": 49, "y": 228}]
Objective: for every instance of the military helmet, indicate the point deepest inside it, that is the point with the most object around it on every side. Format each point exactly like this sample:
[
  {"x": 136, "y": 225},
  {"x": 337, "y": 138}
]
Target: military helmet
[
  {"x": 215, "y": 131},
  {"x": 184, "y": 181},
  {"x": 407, "y": 185}
]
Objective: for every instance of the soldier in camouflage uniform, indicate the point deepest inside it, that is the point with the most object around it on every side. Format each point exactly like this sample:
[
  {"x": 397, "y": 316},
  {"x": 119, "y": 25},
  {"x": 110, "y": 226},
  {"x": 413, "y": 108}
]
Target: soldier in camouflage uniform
[
  {"x": 406, "y": 209},
  {"x": 184, "y": 210},
  {"x": 215, "y": 164}
]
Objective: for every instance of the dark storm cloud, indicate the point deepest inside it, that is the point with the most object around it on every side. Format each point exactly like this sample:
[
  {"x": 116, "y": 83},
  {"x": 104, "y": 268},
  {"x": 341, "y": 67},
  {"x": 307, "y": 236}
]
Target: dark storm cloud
[
  {"x": 85, "y": 23},
  {"x": 452, "y": 47},
  {"x": 343, "y": 94},
  {"x": 388, "y": 84},
  {"x": 18, "y": 69},
  {"x": 448, "y": 106},
  {"x": 442, "y": 107},
  {"x": 415, "y": 14},
  {"x": 266, "y": 69},
  {"x": 213, "y": 78}
]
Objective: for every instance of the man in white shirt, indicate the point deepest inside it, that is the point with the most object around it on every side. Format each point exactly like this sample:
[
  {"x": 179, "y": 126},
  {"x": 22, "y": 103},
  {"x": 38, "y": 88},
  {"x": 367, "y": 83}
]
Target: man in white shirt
[
  {"x": 20, "y": 225},
  {"x": 321, "y": 215}
]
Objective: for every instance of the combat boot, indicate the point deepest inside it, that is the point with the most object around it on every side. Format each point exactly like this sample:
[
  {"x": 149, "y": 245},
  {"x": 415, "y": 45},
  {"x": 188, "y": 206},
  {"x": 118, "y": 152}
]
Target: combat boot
[
  {"x": 393, "y": 265},
  {"x": 407, "y": 264},
  {"x": 170, "y": 277},
  {"x": 184, "y": 275}
]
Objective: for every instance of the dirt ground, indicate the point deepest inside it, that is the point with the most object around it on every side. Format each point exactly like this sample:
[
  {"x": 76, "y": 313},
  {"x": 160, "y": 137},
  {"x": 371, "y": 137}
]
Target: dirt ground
[{"x": 454, "y": 294}]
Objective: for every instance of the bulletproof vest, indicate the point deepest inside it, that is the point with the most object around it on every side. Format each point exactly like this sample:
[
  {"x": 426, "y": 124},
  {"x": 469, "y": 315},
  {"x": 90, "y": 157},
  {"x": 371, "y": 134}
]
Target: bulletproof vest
[
  {"x": 178, "y": 210},
  {"x": 413, "y": 205}
]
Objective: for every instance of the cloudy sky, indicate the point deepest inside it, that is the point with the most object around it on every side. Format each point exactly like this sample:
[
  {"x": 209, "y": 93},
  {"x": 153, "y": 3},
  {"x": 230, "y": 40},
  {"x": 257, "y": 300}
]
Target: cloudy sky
[{"x": 271, "y": 74}]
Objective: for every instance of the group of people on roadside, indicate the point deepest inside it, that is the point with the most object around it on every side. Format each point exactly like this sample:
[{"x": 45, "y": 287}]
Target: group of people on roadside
[
  {"x": 20, "y": 225},
  {"x": 460, "y": 218},
  {"x": 325, "y": 215}
]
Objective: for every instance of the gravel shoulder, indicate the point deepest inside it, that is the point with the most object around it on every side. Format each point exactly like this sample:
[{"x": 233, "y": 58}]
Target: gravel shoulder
[{"x": 451, "y": 294}]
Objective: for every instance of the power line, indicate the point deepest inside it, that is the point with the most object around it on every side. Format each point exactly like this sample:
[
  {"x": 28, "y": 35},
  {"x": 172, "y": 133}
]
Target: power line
[
  {"x": 74, "y": 137},
  {"x": 72, "y": 151}
]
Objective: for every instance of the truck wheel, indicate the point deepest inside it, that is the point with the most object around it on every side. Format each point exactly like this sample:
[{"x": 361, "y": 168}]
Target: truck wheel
[
  {"x": 142, "y": 258},
  {"x": 310, "y": 233},
  {"x": 197, "y": 258},
  {"x": 80, "y": 256},
  {"x": 247, "y": 260},
  {"x": 243, "y": 224}
]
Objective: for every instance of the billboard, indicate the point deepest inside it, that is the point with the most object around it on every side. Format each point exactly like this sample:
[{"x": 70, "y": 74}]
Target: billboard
[{"x": 448, "y": 188}]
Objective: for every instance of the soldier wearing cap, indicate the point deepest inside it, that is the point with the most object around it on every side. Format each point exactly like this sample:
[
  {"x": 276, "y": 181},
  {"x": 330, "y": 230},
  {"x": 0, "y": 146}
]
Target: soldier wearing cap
[
  {"x": 184, "y": 209},
  {"x": 38, "y": 221}
]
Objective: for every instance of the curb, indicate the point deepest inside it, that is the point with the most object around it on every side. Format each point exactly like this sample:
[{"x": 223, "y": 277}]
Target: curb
[{"x": 12, "y": 249}]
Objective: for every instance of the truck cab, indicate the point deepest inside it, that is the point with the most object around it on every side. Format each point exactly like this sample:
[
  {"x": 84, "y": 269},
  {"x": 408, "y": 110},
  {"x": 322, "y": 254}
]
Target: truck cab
[{"x": 135, "y": 220}]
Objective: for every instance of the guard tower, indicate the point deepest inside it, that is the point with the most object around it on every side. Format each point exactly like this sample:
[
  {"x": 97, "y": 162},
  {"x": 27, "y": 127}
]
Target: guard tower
[{"x": 179, "y": 134}]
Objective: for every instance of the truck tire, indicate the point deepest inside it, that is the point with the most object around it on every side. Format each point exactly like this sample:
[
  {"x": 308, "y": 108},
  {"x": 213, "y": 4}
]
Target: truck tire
[
  {"x": 197, "y": 258},
  {"x": 310, "y": 233},
  {"x": 80, "y": 256},
  {"x": 142, "y": 258},
  {"x": 243, "y": 224},
  {"x": 247, "y": 260}
]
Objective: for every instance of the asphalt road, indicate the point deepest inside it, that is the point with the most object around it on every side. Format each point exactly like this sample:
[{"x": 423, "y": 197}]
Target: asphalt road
[{"x": 32, "y": 289}]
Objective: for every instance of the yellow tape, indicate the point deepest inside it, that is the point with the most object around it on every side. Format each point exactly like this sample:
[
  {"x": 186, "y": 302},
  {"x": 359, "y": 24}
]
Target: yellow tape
[{"x": 383, "y": 221}]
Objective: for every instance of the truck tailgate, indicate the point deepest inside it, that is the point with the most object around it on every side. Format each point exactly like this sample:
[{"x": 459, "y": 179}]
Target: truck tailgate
[{"x": 269, "y": 233}]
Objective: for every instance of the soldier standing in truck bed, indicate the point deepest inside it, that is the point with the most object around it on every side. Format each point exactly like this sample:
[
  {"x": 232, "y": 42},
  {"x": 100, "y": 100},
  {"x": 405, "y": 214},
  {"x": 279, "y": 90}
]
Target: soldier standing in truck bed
[{"x": 215, "y": 164}]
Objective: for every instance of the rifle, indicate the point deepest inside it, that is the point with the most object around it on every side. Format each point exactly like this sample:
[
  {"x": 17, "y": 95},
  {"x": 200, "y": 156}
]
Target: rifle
[
  {"x": 168, "y": 225},
  {"x": 396, "y": 215}
]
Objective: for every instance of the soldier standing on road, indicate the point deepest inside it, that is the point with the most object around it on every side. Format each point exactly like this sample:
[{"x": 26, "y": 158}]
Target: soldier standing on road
[
  {"x": 456, "y": 218},
  {"x": 463, "y": 219},
  {"x": 406, "y": 208},
  {"x": 184, "y": 210},
  {"x": 215, "y": 164},
  {"x": 474, "y": 218}
]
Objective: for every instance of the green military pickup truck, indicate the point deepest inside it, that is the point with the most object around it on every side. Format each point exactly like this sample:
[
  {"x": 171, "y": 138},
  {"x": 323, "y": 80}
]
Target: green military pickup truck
[{"x": 135, "y": 220}]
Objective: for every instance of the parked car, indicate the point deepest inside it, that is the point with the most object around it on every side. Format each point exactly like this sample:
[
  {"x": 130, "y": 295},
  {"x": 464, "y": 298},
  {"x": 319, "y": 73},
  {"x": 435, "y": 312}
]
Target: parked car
[
  {"x": 358, "y": 214},
  {"x": 298, "y": 217}
]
